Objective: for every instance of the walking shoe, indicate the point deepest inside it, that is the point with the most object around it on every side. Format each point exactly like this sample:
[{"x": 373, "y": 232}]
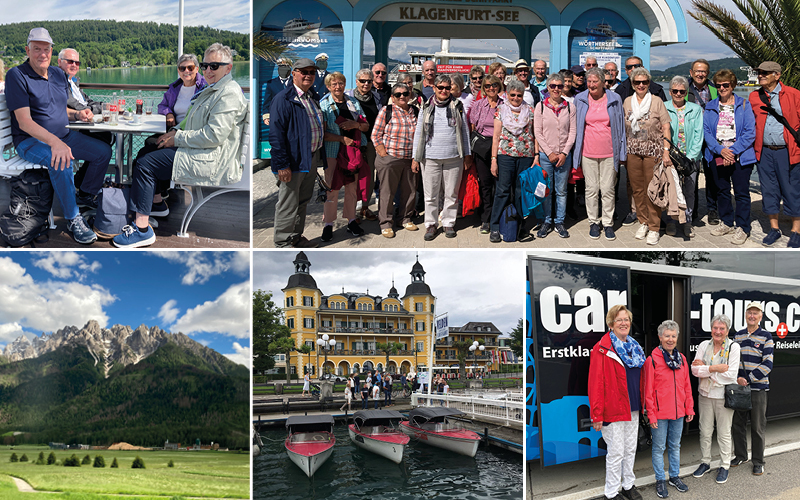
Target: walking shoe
[
  {"x": 672, "y": 228},
  {"x": 410, "y": 226},
  {"x": 794, "y": 240},
  {"x": 661, "y": 489},
  {"x": 609, "y": 231},
  {"x": 85, "y": 200},
  {"x": 543, "y": 230},
  {"x": 758, "y": 470},
  {"x": 769, "y": 240},
  {"x": 430, "y": 233},
  {"x": 629, "y": 219},
  {"x": 354, "y": 229},
  {"x": 722, "y": 475},
  {"x": 303, "y": 242},
  {"x": 132, "y": 237},
  {"x": 562, "y": 231},
  {"x": 327, "y": 233},
  {"x": 700, "y": 472},
  {"x": 449, "y": 232},
  {"x": 594, "y": 231},
  {"x": 678, "y": 484},
  {"x": 494, "y": 237},
  {"x": 739, "y": 237},
  {"x": 722, "y": 230},
  {"x": 80, "y": 231},
  {"x": 159, "y": 209},
  {"x": 485, "y": 228},
  {"x": 652, "y": 237},
  {"x": 713, "y": 217},
  {"x": 631, "y": 494},
  {"x": 736, "y": 462},
  {"x": 367, "y": 214},
  {"x": 388, "y": 232},
  {"x": 688, "y": 230},
  {"x": 641, "y": 233}
]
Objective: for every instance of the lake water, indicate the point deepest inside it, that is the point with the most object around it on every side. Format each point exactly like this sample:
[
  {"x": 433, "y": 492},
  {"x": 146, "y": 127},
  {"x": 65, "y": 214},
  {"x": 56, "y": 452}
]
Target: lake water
[{"x": 426, "y": 472}]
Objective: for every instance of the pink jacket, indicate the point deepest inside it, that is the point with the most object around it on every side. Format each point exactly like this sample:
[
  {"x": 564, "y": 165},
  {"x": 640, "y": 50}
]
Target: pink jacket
[
  {"x": 666, "y": 393},
  {"x": 556, "y": 134}
]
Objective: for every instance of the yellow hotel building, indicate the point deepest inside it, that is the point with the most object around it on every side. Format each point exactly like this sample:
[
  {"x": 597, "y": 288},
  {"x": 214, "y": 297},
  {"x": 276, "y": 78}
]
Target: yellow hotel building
[{"x": 358, "y": 321}]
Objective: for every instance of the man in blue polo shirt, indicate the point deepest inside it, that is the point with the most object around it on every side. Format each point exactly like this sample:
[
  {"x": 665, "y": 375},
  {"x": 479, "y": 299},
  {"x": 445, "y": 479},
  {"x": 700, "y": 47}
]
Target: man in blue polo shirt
[{"x": 36, "y": 94}]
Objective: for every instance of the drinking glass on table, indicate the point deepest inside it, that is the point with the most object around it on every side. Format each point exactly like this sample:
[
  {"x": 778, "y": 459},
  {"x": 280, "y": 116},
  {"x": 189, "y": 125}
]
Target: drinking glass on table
[
  {"x": 106, "y": 112},
  {"x": 148, "y": 106}
]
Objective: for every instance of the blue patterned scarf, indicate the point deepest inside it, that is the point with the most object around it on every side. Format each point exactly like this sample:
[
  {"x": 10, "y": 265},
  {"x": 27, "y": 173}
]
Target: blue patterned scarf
[
  {"x": 674, "y": 361},
  {"x": 630, "y": 351}
]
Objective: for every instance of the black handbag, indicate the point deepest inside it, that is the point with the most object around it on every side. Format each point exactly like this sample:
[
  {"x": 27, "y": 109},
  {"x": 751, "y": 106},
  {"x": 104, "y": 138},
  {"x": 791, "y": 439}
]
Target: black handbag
[
  {"x": 737, "y": 397},
  {"x": 682, "y": 164},
  {"x": 480, "y": 144}
]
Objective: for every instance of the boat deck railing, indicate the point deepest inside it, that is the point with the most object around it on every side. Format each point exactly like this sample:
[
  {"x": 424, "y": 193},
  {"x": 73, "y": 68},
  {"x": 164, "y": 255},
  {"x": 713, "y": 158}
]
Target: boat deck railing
[
  {"x": 309, "y": 437},
  {"x": 509, "y": 410}
]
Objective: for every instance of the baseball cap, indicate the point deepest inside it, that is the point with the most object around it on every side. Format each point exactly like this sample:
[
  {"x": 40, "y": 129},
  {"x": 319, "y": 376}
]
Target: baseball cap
[
  {"x": 770, "y": 66},
  {"x": 577, "y": 69},
  {"x": 39, "y": 35},
  {"x": 304, "y": 63},
  {"x": 755, "y": 304}
]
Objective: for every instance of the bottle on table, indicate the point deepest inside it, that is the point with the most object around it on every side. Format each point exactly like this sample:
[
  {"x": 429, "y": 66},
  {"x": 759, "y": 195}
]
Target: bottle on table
[
  {"x": 139, "y": 103},
  {"x": 114, "y": 109}
]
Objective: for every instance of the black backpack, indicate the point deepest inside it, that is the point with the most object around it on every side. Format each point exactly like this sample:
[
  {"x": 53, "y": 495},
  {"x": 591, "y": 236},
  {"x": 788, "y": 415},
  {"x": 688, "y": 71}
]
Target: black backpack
[{"x": 25, "y": 220}]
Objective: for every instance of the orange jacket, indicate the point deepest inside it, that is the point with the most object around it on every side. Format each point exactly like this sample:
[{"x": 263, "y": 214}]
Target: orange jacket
[{"x": 790, "y": 108}]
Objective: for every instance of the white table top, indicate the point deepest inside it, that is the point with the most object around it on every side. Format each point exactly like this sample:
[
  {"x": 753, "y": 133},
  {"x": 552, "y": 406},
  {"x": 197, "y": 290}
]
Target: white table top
[{"x": 152, "y": 124}]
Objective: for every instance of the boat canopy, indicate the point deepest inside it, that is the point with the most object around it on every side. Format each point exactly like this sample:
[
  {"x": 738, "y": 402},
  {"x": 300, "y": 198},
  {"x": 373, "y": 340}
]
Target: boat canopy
[
  {"x": 422, "y": 415},
  {"x": 309, "y": 423},
  {"x": 375, "y": 417}
]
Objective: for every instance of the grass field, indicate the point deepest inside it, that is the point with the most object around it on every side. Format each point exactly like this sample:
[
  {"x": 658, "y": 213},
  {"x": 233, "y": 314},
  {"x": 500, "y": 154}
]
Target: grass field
[{"x": 195, "y": 474}]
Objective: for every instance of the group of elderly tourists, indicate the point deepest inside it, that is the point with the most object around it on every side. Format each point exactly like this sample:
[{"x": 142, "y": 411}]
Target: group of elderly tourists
[
  {"x": 205, "y": 118},
  {"x": 414, "y": 146},
  {"x": 626, "y": 386}
]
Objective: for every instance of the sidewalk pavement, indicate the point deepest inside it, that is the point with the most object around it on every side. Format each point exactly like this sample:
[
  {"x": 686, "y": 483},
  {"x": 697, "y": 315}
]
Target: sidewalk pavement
[{"x": 265, "y": 195}]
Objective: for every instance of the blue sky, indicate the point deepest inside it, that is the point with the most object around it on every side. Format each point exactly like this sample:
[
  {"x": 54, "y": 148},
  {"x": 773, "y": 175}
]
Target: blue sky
[
  {"x": 233, "y": 15},
  {"x": 205, "y": 295}
]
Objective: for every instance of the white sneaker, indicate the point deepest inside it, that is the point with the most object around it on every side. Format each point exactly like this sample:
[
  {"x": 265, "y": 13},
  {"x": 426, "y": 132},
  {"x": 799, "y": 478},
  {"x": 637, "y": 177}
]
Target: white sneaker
[
  {"x": 641, "y": 232},
  {"x": 652, "y": 238}
]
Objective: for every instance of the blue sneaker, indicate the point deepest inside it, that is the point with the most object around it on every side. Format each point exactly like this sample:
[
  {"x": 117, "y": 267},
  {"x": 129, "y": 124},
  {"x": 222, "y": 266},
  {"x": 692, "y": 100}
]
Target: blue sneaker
[
  {"x": 678, "y": 484},
  {"x": 610, "y": 236},
  {"x": 131, "y": 237},
  {"x": 80, "y": 231},
  {"x": 722, "y": 475},
  {"x": 771, "y": 237},
  {"x": 543, "y": 230},
  {"x": 700, "y": 472},
  {"x": 561, "y": 230},
  {"x": 661, "y": 489},
  {"x": 594, "y": 231},
  {"x": 794, "y": 240}
]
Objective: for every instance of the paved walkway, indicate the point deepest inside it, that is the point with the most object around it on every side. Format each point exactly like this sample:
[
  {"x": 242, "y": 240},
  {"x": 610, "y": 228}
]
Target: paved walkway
[{"x": 265, "y": 195}]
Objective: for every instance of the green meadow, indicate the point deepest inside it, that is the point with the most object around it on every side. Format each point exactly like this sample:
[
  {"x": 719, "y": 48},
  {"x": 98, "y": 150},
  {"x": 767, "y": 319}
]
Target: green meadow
[{"x": 212, "y": 474}]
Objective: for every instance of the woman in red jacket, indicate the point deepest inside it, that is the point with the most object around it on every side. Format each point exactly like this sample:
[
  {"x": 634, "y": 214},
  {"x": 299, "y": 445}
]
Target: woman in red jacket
[
  {"x": 667, "y": 399},
  {"x": 614, "y": 396}
]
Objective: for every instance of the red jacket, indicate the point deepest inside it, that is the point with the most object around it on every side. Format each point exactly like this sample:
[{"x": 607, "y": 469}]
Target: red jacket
[
  {"x": 790, "y": 108},
  {"x": 666, "y": 393},
  {"x": 608, "y": 384}
]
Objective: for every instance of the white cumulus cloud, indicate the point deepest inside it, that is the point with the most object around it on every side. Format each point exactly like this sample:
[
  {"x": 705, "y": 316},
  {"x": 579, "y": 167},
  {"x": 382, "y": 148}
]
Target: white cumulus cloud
[
  {"x": 168, "y": 312},
  {"x": 228, "y": 314},
  {"x": 201, "y": 266},
  {"x": 66, "y": 265},
  {"x": 10, "y": 332},
  {"x": 241, "y": 355}
]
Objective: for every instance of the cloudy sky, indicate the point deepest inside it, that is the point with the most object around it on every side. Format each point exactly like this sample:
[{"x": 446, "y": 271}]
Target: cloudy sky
[
  {"x": 233, "y": 15},
  {"x": 468, "y": 285},
  {"x": 205, "y": 295}
]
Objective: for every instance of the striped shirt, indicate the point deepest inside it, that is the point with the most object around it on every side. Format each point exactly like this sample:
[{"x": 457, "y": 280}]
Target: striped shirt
[
  {"x": 314, "y": 118},
  {"x": 397, "y": 136},
  {"x": 756, "y": 357}
]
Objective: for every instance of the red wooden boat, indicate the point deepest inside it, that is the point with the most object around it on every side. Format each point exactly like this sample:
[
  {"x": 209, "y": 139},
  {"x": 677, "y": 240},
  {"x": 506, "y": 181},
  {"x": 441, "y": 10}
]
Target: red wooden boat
[
  {"x": 310, "y": 441},
  {"x": 378, "y": 431}
]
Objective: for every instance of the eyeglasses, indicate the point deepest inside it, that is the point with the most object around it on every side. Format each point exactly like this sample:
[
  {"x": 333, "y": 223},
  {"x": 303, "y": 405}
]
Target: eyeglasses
[
  {"x": 523, "y": 70},
  {"x": 376, "y": 73},
  {"x": 724, "y": 85},
  {"x": 215, "y": 66},
  {"x": 554, "y": 86},
  {"x": 677, "y": 92},
  {"x": 304, "y": 72},
  {"x": 476, "y": 78},
  {"x": 442, "y": 88},
  {"x": 641, "y": 82},
  {"x": 186, "y": 68},
  {"x": 401, "y": 94},
  {"x": 365, "y": 81},
  {"x": 515, "y": 96},
  {"x": 765, "y": 73},
  {"x": 72, "y": 61},
  {"x": 590, "y": 65},
  {"x": 336, "y": 84},
  {"x": 492, "y": 85},
  {"x": 622, "y": 320},
  {"x": 632, "y": 66}
]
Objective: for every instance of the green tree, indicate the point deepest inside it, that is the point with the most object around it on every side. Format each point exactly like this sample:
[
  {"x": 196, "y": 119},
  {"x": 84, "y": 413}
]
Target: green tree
[
  {"x": 72, "y": 461},
  {"x": 86, "y": 460},
  {"x": 23, "y": 458},
  {"x": 51, "y": 458},
  {"x": 770, "y": 32},
  {"x": 388, "y": 348},
  {"x": 268, "y": 327},
  {"x": 99, "y": 461},
  {"x": 138, "y": 463},
  {"x": 269, "y": 49},
  {"x": 462, "y": 350},
  {"x": 171, "y": 464},
  {"x": 14, "y": 457},
  {"x": 115, "y": 464},
  {"x": 40, "y": 460},
  {"x": 285, "y": 346},
  {"x": 517, "y": 336},
  {"x": 305, "y": 349}
]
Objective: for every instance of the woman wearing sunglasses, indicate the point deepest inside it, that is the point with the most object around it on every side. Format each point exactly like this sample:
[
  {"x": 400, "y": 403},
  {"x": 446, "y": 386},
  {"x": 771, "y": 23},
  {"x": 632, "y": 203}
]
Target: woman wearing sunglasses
[
  {"x": 686, "y": 125},
  {"x": 646, "y": 127},
  {"x": 729, "y": 127},
  {"x": 442, "y": 152},
  {"x": 554, "y": 128},
  {"x": 481, "y": 123},
  {"x": 202, "y": 150}
]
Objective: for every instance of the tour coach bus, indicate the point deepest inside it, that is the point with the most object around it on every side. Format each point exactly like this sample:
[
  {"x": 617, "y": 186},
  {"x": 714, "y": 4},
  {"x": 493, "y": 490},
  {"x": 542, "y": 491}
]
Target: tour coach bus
[{"x": 570, "y": 293}]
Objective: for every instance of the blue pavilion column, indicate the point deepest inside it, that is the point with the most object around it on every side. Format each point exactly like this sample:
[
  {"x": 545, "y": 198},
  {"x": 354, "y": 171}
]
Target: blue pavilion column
[
  {"x": 559, "y": 46},
  {"x": 353, "y": 42},
  {"x": 641, "y": 46}
]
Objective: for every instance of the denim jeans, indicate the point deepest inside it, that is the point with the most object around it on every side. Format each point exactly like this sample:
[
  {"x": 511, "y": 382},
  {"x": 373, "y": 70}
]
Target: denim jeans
[
  {"x": 364, "y": 402},
  {"x": 507, "y": 189},
  {"x": 387, "y": 396},
  {"x": 668, "y": 435},
  {"x": 560, "y": 178},
  {"x": 738, "y": 177},
  {"x": 151, "y": 171},
  {"x": 94, "y": 152}
]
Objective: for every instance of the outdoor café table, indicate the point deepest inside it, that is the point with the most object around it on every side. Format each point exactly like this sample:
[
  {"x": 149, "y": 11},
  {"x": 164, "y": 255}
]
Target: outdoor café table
[{"x": 125, "y": 130}]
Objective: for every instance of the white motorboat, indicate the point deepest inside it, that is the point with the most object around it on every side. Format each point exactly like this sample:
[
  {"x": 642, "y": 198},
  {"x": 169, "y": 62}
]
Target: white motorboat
[
  {"x": 378, "y": 431},
  {"x": 310, "y": 441},
  {"x": 433, "y": 426},
  {"x": 257, "y": 444}
]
